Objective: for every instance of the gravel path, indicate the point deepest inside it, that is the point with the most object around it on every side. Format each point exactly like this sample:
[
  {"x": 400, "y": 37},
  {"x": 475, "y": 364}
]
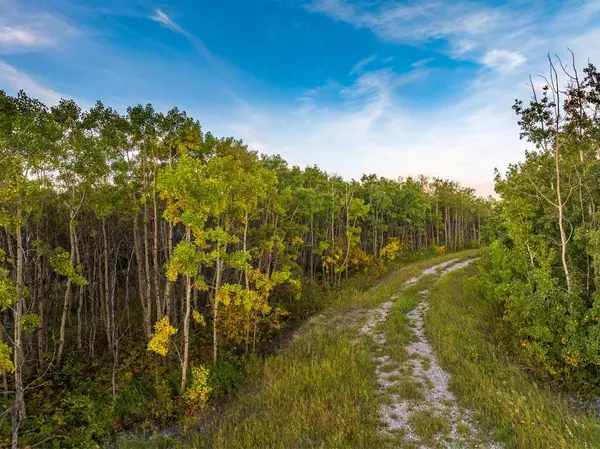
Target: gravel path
[{"x": 432, "y": 400}]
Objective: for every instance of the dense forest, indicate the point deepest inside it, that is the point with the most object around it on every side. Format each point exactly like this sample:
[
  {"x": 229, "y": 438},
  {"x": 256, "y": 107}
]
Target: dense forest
[
  {"x": 542, "y": 265},
  {"x": 143, "y": 260}
]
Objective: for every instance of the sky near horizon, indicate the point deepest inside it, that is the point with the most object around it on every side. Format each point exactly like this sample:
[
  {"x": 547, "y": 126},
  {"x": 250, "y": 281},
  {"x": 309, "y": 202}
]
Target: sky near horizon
[{"x": 395, "y": 88}]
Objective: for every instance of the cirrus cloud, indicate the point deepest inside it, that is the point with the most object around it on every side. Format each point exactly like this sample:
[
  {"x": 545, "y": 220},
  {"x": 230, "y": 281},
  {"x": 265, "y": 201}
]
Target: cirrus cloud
[{"x": 24, "y": 30}]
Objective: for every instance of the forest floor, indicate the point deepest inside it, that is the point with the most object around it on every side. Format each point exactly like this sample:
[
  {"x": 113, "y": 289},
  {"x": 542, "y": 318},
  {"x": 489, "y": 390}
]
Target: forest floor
[{"x": 407, "y": 364}]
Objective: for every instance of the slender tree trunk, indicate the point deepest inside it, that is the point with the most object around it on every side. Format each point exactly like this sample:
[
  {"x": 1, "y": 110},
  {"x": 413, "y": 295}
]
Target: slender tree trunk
[
  {"x": 148, "y": 283},
  {"x": 67, "y": 298},
  {"x": 219, "y": 264},
  {"x": 3, "y": 338},
  {"x": 159, "y": 305},
  {"x": 107, "y": 291},
  {"x": 348, "y": 234},
  {"x": 246, "y": 282},
  {"x": 79, "y": 319},
  {"x": 18, "y": 413},
  {"x": 113, "y": 332},
  {"x": 80, "y": 302},
  {"x": 169, "y": 284},
  {"x": 41, "y": 328},
  {"x": 312, "y": 246},
  {"x": 145, "y": 301},
  {"x": 186, "y": 322},
  {"x": 561, "y": 226},
  {"x": 447, "y": 231}
]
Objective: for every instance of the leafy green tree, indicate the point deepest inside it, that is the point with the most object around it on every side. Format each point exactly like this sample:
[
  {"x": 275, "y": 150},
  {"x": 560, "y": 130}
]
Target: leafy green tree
[{"x": 542, "y": 261}]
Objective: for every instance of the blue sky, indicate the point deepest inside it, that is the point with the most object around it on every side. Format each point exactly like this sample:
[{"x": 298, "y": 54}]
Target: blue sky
[{"x": 390, "y": 87}]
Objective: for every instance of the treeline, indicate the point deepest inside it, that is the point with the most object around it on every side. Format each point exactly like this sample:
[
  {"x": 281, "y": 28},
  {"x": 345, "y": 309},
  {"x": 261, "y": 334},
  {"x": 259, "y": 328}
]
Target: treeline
[
  {"x": 543, "y": 264},
  {"x": 135, "y": 243}
]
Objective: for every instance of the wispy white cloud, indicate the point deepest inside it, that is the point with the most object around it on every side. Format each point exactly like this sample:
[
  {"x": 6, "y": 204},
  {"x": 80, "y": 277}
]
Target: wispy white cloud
[
  {"x": 460, "y": 29},
  {"x": 502, "y": 60},
  {"x": 162, "y": 18},
  {"x": 421, "y": 62},
  {"x": 309, "y": 98},
  {"x": 166, "y": 21},
  {"x": 15, "y": 80},
  {"x": 360, "y": 65},
  {"x": 23, "y": 30},
  {"x": 21, "y": 36}
]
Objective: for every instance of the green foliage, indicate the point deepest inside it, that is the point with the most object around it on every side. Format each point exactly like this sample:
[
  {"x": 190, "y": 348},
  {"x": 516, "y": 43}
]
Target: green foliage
[
  {"x": 60, "y": 261},
  {"x": 541, "y": 268},
  {"x": 8, "y": 292},
  {"x": 186, "y": 261},
  {"x": 147, "y": 396},
  {"x": 30, "y": 321},
  {"x": 228, "y": 375}
]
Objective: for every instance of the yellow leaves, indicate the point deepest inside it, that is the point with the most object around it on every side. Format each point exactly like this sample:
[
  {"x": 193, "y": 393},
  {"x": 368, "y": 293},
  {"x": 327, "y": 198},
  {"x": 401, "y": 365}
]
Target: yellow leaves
[
  {"x": 172, "y": 272},
  {"x": 200, "y": 239},
  {"x": 201, "y": 285},
  {"x": 262, "y": 283},
  {"x": 6, "y": 363},
  {"x": 160, "y": 339},
  {"x": 197, "y": 395},
  {"x": 244, "y": 308},
  {"x": 392, "y": 250},
  {"x": 199, "y": 318},
  {"x": 266, "y": 308},
  {"x": 332, "y": 261},
  {"x": 297, "y": 240},
  {"x": 224, "y": 294},
  {"x": 297, "y": 286},
  {"x": 571, "y": 360}
]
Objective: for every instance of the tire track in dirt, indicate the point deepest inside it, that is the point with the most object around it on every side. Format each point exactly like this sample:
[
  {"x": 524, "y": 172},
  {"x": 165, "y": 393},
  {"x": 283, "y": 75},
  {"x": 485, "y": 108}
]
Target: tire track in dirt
[{"x": 433, "y": 401}]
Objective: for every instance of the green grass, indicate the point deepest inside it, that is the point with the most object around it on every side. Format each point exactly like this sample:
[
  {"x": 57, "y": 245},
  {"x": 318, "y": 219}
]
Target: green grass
[
  {"x": 428, "y": 426},
  {"x": 320, "y": 393},
  {"x": 410, "y": 390},
  {"x": 507, "y": 402}
]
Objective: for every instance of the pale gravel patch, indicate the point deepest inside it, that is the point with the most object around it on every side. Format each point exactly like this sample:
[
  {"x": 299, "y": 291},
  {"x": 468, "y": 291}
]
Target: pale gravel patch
[
  {"x": 432, "y": 270},
  {"x": 439, "y": 400}
]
